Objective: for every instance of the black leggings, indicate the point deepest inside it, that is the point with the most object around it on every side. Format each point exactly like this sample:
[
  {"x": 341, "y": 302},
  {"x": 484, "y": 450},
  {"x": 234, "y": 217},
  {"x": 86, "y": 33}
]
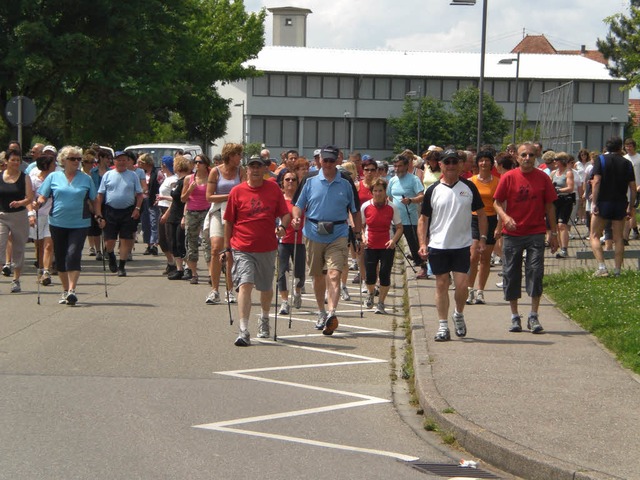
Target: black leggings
[
  {"x": 411, "y": 236},
  {"x": 383, "y": 256},
  {"x": 177, "y": 233},
  {"x": 67, "y": 247},
  {"x": 285, "y": 252}
]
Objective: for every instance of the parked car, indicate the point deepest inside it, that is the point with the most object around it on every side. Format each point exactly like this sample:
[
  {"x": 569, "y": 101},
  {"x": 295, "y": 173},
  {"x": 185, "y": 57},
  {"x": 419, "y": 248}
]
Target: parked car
[{"x": 159, "y": 150}]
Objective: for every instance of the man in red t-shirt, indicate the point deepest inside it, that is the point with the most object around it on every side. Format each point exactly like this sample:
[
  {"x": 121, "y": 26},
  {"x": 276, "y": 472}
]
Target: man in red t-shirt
[
  {"x": 250, "y": 219},
  {"x": 523, "y": 199}
]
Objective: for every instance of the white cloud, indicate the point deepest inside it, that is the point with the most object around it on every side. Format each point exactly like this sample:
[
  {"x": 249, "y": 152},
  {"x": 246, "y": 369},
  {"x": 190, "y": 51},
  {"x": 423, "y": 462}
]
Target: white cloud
[{"x": 435, "y": 25}]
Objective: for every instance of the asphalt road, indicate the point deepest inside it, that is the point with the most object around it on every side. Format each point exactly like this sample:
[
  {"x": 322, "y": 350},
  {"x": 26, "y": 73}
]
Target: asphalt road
[{"x": 147, "y": 384}]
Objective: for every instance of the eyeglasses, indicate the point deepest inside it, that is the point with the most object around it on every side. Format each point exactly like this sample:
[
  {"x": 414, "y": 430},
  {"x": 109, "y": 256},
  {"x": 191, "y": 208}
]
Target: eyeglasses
[
  {"x": 198, "y": 161},
  {"x": 525, "y": 154},
  {"x": 451, "y": 161},
  {"x": 290, "y": 179},
  {"x": 74, "y": 159},
  {"x": 330, "y": 160},
  {"x": 369, "y": 169}
]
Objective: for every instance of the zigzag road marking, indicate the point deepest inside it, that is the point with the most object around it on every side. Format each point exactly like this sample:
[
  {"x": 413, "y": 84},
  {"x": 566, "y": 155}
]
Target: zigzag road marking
[{"x": 365, "y": 400}]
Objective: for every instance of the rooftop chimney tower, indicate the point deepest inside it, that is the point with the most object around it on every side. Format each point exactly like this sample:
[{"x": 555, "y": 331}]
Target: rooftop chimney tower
[{"x": 290, "y": 26}]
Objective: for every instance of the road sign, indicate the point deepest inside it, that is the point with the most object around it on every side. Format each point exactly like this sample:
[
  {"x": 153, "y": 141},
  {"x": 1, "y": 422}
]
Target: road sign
[{"x": 20, "y": 111}]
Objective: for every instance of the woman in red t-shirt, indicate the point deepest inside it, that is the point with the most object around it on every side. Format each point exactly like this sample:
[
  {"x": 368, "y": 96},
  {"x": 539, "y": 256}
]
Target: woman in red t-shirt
[
  {"x": 378, "y": 216},
  {"x": 292, "y": 240}
]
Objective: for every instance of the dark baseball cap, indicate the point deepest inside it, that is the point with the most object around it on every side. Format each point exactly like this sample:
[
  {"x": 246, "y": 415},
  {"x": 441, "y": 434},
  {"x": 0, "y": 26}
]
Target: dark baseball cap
[{"x": 330, "y": 152}]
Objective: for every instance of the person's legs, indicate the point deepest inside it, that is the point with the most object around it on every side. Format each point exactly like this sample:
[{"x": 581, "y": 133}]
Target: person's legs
[
  {"x": 617, "y": 227},
  {"x": 484, "y": 267},
  {"x": 333, "y": 289},
  {"x": 597, "y": 226},
  {"x": 215, "y": 265},
  {"x": 442, "y": 295},
  {"x": 244, "y": 304},
  {"x": 319, "y": 288},
  {"x": 386, "y": 264}
]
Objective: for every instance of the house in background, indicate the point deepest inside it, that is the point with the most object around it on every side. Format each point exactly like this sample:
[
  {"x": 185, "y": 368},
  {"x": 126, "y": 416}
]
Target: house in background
[{"x": 308, "y": 97}]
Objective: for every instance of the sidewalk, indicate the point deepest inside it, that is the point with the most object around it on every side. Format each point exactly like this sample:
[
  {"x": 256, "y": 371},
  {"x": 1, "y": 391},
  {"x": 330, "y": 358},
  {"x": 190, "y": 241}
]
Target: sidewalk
[{"x": 551, "y": 406}]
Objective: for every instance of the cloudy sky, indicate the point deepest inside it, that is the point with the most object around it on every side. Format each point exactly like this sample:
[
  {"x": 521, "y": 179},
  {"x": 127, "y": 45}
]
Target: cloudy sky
[{"x": 434, "y": 25}]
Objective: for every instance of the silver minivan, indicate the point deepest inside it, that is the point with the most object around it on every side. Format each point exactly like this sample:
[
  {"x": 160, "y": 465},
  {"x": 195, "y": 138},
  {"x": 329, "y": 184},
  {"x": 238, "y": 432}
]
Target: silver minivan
[{"x": 159, "y": 150}]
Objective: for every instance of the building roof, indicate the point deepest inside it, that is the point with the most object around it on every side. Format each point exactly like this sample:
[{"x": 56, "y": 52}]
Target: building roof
[
  {"x": 425, "y": 64},
  {"x": 540, "y": 44}
]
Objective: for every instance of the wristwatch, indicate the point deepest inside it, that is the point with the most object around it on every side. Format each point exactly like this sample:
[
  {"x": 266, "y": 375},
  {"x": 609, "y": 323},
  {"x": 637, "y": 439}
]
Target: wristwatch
[
  {"x": 483, "y": 237},
  {"x": 137, "y": 208}
]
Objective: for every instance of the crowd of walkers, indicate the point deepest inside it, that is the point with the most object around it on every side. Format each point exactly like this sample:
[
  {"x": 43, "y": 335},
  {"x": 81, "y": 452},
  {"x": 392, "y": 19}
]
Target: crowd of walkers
[{"x": 459, "y": 211}]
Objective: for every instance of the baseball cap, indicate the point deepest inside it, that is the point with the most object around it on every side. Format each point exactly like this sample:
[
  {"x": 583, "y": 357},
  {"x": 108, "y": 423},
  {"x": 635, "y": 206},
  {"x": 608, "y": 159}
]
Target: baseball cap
[
  {"x": 330, "y": 152},
  {"x": 317, "y": 152},
  {"x": 366, "y": 157},
  {"x": 126, "y": 153},
  {"x": 257, "y": 159},
  {"x": 167, "y": 161},
  {"x": 450, "y": 154},
  {"x": 50, "y": 149}
]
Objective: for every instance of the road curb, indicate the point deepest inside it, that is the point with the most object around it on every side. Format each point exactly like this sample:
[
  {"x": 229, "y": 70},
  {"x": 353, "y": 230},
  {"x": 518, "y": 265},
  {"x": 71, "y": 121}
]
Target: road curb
[{"x": 496, "y": 450}]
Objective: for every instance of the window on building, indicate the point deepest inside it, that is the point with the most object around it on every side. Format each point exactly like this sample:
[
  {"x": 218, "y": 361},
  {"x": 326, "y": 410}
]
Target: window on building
[
  {"x": 314, "y": 86},
  {"x": 535, "y": 90},
  {"x": 501, "y": 90},
  {"x": 416, "y": 85},
  {"x": 277, "y": 85},
  {"x": 449, "y": 87},
  {"x": 366, "y": 88},
  {"x": 329, "y": 87},
  {"x": 273, "y": 132},
  {"x": 434, "y": 88},
  {"x": 256, "y": 130},
  {"x": 341, "y": 131},
  {"x": 464, "y": 84},
  {"x": 601, "y": 92},
  {"x": 325, "y": 132},
  {"x": 398, "y": 88},
  {"x": 585, "y": 92},
  {"x": 260, "y": 86},
  {"x": 288, "y": 22},
  {"x": 376, "y": 134},
  {"x": 347, "y": 87},
  {"x": 617, "y": 95},
  {"x": 382, "y": 88},
  {"x": 310, "y": 138},
  {"x": 290, "y": 133},
  {"x": 294, "y": 85}
]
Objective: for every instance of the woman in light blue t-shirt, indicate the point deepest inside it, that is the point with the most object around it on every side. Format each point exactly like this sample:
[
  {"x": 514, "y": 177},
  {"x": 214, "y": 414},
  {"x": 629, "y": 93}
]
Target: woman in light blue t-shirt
[{"x": 74, "y": 194}]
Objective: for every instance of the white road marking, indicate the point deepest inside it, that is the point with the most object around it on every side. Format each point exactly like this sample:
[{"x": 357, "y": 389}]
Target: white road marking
[{"x": 365, "y": 400}]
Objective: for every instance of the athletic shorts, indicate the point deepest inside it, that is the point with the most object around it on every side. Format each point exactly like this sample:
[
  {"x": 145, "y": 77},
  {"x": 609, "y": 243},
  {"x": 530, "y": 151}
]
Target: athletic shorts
[
  {"x": 119, "y": 223},
  {"x": 450, "y": 260},
  {"x": 492, "y": 220},
  {"x": 326, "y": 256},
  {"x": 612, "y": 210},
  {"x": 255, "y": 268},
  {"x": 564, "y": 206}
]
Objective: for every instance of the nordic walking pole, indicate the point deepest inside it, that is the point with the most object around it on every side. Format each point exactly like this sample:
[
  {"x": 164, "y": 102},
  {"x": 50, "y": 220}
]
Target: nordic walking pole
[
  {"x": 275, "y": 326},
  {"x": 358, "y": 246},
  {"x": 223, "y": 259},
  {"x": 293, "y": 286},
  {"x": 406, "y": 258},
  {"x": 38, "y": 255},
  {"x": 104, "y": 265}
]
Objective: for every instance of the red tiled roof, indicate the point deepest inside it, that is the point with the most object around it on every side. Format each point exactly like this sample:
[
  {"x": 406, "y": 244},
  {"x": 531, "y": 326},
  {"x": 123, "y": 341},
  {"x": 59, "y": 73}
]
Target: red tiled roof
[{"x": 540, "y": 44}]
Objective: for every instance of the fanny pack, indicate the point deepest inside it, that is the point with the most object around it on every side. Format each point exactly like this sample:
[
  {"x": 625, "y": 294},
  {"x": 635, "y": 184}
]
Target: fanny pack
[{"x": 326, "y": 228}]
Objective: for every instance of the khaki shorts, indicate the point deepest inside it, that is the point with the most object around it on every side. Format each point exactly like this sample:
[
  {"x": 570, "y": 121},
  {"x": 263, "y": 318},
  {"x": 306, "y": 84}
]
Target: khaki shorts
[{"x": 326, "y": 256}]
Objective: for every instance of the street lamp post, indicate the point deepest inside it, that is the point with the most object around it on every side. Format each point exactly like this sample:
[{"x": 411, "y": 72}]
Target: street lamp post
[
  {"x": 418, "y": 96},
  {"x": 346, "y": 131},
  {"x": 509, "y": 61},
  {"x": 241, "y": 104},
  {"x": 482, "y": 55}
]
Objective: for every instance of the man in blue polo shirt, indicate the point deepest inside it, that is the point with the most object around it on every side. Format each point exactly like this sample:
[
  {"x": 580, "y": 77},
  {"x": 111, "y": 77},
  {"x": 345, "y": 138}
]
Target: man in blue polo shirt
[
  {"x": 327, "y": 199},
  {"x": 118, "y": 211}
]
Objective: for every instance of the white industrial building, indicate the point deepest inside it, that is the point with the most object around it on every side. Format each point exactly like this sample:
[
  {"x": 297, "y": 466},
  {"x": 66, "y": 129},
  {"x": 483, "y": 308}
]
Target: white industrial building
[{"x": 308, "y": 97}]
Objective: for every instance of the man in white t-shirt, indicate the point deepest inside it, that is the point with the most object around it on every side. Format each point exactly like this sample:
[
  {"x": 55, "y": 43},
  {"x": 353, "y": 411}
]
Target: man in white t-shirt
[{"x": 634, "y": 157}]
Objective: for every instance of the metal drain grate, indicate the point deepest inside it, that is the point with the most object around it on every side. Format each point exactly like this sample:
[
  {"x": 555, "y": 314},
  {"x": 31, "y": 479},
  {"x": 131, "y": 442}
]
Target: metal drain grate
[{"x": 452, "y": 470}]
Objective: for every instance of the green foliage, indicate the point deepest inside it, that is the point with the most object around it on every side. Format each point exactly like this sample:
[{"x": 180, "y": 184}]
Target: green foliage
[
  {"x": 523, "y": 132},
  {"x": 434, "y": 124},
  {"x": 621, "y": 46},
  {"x": 439, "y": 125},
  {"x": 114, "y": 72},
  {"x": 464, "y": 105},
  {"x": 606, "y": 307},
  {"x": 252, "y": 149}
]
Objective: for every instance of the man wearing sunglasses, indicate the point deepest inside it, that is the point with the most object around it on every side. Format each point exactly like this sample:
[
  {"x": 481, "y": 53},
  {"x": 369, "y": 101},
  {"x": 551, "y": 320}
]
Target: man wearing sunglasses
[
  {"x": 444, "y": 233},
  {"x": 524, "y": 202},
  {"x": 327, "y": 198}
]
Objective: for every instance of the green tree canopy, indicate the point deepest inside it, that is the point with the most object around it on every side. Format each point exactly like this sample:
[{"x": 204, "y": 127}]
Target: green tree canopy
[
  {"x": 622, "y": 45},
  {"x": 434, "y": 124},
  {"x": 115, "y": 72},
  {"x": 464, "y": 106}
]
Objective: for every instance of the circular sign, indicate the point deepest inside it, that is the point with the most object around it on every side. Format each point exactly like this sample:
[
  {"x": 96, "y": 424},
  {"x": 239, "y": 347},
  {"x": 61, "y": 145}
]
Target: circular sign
[{"x": 28, "y": 111}]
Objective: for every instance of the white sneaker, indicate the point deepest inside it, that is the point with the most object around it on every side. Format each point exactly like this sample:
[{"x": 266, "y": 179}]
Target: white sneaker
[
  {"x": 213, "y": 298},
  {"x": 471, "y": 299},
  {"x": 380, "y": 309},
  {"x": 243, "y": 340},
  {"x": 15, "y": 286},
  {"x": 284, "y": 309},
  {"x": 232, "y": 298},
  {"x": 263, "y": 327},
  {"x": 344, "y": 293},
  {"x": 480, "y": 298},
  {"x": 458, "y": 321},
  {"x": 72, "y": 299},
  {"x": 368, "y": 303},
  {"x": 63, "y": 298}
]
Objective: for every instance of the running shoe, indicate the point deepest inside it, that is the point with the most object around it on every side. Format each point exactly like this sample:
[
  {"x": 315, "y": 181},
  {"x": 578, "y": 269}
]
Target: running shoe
[
  {"x": 562, "y": 253},
  {"x": 331, "y": 324},
  {"x": 516, "y": 325},
  {"x": 380, "y": 309},
  {"x": 213, "y": 298},
  {"x": 92, "y": 252},
  {"x": 533, "y": 324},
  {"x": 113, "y": 264},
  {"x": 6, "y": 270},
  {"x": 353, "y": 266},
  {"x": 263, "y": 327},
  {"x": 443, "y": 334},
  {"x": 480, "y": 298},
  {"x": 458, "y": 321},
  {"x": 188, "y": 275},
  {"x": 99, "y": 256},
  {"x": 15, "y": 286},
  {"x": 72, "y": 299},
  {"x": 243, "y": 340},
  {"x": 368, "y": 303},
  {"x": 601, "y": 273},
  {"x": 122, "y": 272},
  {"x": 194, "y": 280},
  {"x": 46, "y": 278},
  {"x": 344, "y": 294},
  {"x": 284, "y": 308},
  {"x": 177, "y": 275},
  {"x": 356, "y": 278},
  {"x": 471, "y": 298},
  {"x": 63, "y": 298},
  {"x": 297, "y": 300},
  {"x": 232, "y": 298},
  {"x": 322, "y": 319}
]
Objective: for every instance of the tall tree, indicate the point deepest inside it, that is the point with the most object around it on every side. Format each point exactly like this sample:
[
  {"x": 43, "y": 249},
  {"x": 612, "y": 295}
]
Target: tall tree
[
  {"x": 464, "y": 106},
  {"x": 434, "y": 124},
  {"x": 109, "y": 71},
  {"x": 622, "y": 45}
]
